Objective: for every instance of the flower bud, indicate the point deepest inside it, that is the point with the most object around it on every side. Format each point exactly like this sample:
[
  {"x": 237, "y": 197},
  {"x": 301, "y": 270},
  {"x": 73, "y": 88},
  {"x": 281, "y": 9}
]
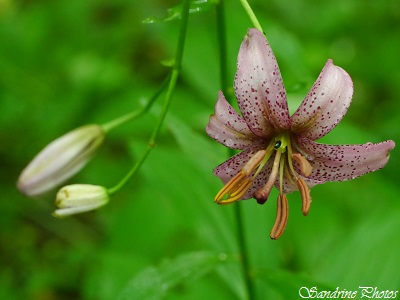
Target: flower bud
[
  {"x": 60, "y": 160},
  {"x": 79, "y": 198}
]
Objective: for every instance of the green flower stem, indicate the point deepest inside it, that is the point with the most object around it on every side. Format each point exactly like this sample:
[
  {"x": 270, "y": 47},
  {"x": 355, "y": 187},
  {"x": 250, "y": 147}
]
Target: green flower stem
[
  {"x": 223, "y": 57},
  {"x": 167, "y": 101},
  {"x": 238, "y": 211},
  {"x": 243, "y": 250},
  {"x": 251, "y": 14},
  {"x": 137, "y": 113},
  {"x": 131, "y": 172}
]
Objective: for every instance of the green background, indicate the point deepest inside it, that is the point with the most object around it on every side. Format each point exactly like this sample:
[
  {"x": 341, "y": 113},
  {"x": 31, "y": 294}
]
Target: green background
[{"x": 70, "y": 62}]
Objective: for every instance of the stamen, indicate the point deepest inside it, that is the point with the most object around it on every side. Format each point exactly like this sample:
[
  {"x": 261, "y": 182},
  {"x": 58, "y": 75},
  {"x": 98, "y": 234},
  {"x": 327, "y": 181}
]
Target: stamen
[
  {"x": 241, "y": 190},
  {"x": 305, "y": 196},
  {"x": 290, "y": 162},
  {"x": 282, "y": 214},
  {"x": 234, "y": 189},
  {"x": 253, "y": 162},
  {"x": 262, "y": 194},
  {"x": 240, "y": 183},
  {"x": 305, "y": 169},
  {"x": 305, "y": 166},
  {"x": 229, "y": 187},
  {"x": 289, "y": 176},
  {"x": 281, "y": 171}
]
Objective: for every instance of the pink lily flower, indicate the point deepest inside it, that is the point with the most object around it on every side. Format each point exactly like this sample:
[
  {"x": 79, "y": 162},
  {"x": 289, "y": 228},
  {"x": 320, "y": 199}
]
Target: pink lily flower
[{"x": 278, "y": 149}]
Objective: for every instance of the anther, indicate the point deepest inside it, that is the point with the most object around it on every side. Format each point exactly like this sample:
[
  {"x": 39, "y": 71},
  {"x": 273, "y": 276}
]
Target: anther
[
  {"x": 282, "y": 214},
  {"x": 235, "y": 189},
  {"x": 305, "y": 196},
  {"x": 305, "y": 166},
  {"x": 229, "y": 187}
]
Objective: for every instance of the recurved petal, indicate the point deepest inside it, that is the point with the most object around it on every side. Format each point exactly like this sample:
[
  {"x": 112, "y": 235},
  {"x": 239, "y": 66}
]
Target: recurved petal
[
  {"x": 325, "y": 105},
  {"x": 227, "y": 127},
  {"x": 344, "y": 162},
  {"x": 259, "y": 88}
]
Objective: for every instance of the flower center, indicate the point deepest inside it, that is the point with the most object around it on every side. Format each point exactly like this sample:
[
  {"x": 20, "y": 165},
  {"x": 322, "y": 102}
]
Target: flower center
[{"x": 278, "y": 156}]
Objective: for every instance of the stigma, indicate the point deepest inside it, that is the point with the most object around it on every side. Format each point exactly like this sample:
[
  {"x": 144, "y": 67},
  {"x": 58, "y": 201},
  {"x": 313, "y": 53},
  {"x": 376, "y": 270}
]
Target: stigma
[{"x": 284, "y": 163}]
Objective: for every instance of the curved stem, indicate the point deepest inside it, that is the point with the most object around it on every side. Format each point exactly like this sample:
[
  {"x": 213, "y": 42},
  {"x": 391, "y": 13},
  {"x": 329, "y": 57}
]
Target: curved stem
[
  {"x": 137, "y": 113},
  {"x": 223, "y": 57},
  {"x": 131, "y": 172},
  {"x": 167, "y": 101},
  {"x": 251, "y": 14},
  {"x": 243, "y": 250}
]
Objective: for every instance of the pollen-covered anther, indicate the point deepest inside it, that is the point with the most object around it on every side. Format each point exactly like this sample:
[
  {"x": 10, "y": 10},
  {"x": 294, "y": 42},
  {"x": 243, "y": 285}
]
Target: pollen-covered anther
[
  {"x": 305, "y": 196},
  {"x": 305, "y": 166},
  {"x": 282, "y": 214},
  {"x": 241, "y": 182}
]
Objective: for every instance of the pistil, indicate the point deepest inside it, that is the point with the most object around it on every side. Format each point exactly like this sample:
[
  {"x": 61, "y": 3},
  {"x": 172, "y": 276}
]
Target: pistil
[
  {"x": 262, "y": 194},
  {"x": 280, "y": 143}
]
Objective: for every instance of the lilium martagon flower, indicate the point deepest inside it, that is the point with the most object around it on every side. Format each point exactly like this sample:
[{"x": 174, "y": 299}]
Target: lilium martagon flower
[
  {"x": 60, "y": 160},
  {"x": 278, "y": 149}
]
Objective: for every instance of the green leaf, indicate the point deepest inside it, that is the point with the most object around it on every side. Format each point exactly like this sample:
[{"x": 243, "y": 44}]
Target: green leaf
[
  {"x": 173, "y": 13},
  {"x": 374, "y": 245},
  {"x": 155, "y": 282}
]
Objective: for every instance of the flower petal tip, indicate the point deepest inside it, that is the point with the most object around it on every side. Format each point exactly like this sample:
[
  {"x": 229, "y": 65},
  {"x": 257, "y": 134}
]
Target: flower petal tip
[
  {"x": 259, "y": 87},
  {"x": 326, "y": 103}
]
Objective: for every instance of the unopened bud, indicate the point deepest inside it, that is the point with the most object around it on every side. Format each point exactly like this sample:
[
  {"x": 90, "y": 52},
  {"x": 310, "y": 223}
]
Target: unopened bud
[
  {"x": 79, "y": 198},
  {"x": 60, "y": 160}
]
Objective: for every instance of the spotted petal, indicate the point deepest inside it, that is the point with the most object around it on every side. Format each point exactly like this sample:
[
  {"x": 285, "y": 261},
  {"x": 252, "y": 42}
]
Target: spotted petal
[
  {"x": 227, "y": 127},
  {"x": 325, "y": 105},
  {"x": 259, "y": 88},
  {"x": 338, "y": 163}
]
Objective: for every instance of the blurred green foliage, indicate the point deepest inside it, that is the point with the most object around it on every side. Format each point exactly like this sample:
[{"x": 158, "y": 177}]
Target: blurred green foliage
[{"x": 68, "y": 63}]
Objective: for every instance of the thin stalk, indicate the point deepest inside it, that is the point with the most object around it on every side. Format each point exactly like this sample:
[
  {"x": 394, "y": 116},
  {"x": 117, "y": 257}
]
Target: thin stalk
[
  {"x": 222, "y": 43},
  {"x": 137, "y": 113},
  {"x": 175, "y": 72},
  {"x": 221, "y": 31},
  {"x": 167, "y": 101},
  {"x": 131, "y": 172},
  {"x": 251, "y": 14},
  {"x": 243, "y": 250}
]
